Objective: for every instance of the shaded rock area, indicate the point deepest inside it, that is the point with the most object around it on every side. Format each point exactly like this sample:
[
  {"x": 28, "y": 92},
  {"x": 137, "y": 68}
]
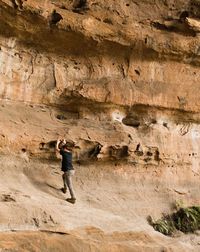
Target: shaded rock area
[{"x": 120, "y": 81}]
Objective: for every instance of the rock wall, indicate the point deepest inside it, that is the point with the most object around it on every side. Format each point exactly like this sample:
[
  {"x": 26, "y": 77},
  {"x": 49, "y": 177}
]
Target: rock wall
[
  {"x": 134, "y": 75},
  {"x": 118, "y": 78}
]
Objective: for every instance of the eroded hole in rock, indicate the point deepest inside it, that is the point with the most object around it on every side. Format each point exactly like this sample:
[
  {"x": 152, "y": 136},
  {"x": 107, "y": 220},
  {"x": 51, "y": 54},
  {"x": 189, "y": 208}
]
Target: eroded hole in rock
[
  {"x": 61, "y": 117},
  {"x": 79, "y": 4},
  {"x": 131, "y": 121},
  {"x": 36, "y": 222},
  {"x": 124, "y": 151},
  {"x": 137, "y": 72},
  {"x": 85, "y": 150},
  {"x": 7, "y": 198},
  {"x": 148, "y": 159},
  {"x": 41, "y": 146},
  {"x": 159, "y": 26},
  {"x": 108, "y": 21},
  {"x": 165, "y": 125},
  {"x": 149, "y": 153},
  {"x": 55, "y": 18},
  {"x": 169, "y": 28},
  {"x": 129, "y": 135},
  {"x": 153, "y": 121},
  {"x": 93, "y": 153},
  {"x": 138, "y": 151},
  {"x": 127, "y": 4},
  {"x": 157, "y": 156},
  {"x": 23, "y": 150},
  {"x": 184, "y": 15},
  {"x": 52, "y": 144},
  {"x": 118, "y": 152},
  {"x": 175, "y": 25},
  {"x": 138, "y": 147},
  {"x": 49, "y": 146}
]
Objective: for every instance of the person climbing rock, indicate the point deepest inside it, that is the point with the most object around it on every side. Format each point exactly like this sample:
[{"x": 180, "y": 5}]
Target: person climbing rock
[{"x": 65, "y": 150}]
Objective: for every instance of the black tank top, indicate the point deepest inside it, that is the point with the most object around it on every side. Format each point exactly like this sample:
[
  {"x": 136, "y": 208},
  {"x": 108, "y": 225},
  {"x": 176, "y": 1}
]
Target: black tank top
[{"x": 66, "y": 160}]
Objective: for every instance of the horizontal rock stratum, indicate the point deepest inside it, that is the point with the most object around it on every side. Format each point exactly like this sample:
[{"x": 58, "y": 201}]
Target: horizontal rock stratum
[{"x": 121, "y": 80}]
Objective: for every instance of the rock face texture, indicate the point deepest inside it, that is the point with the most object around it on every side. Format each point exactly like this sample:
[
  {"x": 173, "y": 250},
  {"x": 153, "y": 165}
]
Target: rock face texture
[{"x": 121, "y": 80}]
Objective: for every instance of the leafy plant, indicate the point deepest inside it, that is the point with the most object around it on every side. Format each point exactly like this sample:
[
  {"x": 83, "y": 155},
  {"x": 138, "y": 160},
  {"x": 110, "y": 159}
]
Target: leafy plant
[{"x": 186, "y": 220}]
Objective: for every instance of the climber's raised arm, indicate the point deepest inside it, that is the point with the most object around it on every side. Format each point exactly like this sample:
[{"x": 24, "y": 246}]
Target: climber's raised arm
[{"x": 59, "y": 144}]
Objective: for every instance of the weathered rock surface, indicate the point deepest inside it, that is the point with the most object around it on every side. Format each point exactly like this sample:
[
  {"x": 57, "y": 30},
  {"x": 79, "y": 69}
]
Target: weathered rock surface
[{"x": 120, "y": 80}]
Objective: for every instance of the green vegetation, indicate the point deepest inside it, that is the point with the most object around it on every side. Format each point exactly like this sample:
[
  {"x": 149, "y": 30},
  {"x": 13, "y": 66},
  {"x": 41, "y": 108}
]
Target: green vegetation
[{"x": 186, "y": 220}]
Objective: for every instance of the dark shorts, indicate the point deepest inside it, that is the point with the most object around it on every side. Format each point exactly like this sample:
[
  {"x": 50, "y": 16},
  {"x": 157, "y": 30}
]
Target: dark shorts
[{"x": 65, "y": 169}]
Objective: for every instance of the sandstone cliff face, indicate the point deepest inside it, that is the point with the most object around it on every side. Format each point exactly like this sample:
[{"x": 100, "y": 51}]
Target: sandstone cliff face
[
  {"x": 120, "y": 80},
  {"x": 133, "y": 70}
]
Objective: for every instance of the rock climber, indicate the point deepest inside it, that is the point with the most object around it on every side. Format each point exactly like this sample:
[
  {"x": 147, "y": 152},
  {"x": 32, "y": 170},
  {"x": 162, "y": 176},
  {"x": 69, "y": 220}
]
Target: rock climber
[{"x": 65, "y": 150}]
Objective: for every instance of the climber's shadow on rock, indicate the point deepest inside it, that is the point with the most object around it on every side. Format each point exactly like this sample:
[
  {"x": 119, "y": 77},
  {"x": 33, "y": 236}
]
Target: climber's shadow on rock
[{"x": 53, "y": 187}]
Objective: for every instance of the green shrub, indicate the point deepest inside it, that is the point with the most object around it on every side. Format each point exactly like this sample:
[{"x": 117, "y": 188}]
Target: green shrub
[{"x": 186, "y": 220}]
